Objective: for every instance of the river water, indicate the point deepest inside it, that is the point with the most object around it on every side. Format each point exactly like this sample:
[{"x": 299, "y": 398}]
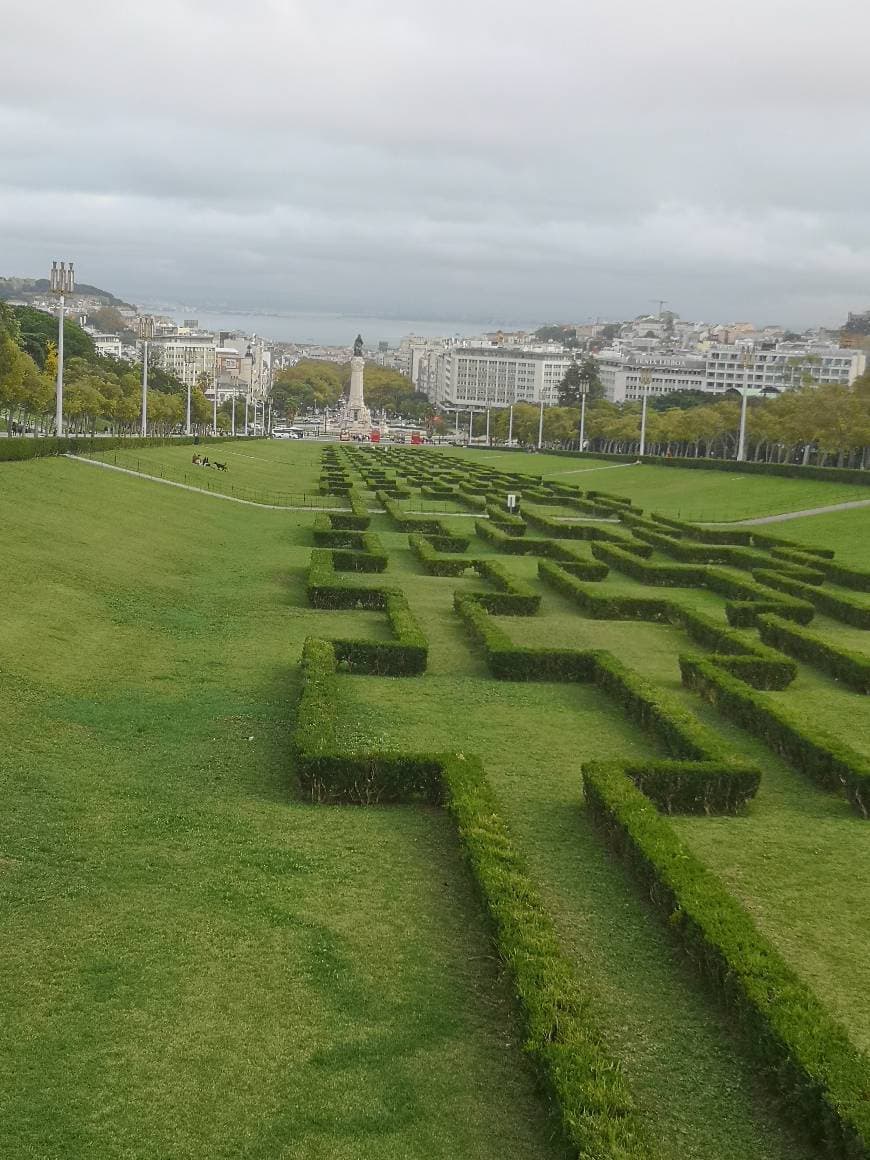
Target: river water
[{"x": 330, "y": 329}]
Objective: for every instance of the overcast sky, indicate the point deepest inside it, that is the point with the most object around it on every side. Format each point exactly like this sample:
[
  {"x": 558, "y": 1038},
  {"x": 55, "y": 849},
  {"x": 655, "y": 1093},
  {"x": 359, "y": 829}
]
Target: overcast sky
[{"x": 444, "y": 158}]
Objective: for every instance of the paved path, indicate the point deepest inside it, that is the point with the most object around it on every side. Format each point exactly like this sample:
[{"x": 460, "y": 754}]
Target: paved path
[
  {"x": 606, "y": 467},
  {"x": 783, "y": 516}
]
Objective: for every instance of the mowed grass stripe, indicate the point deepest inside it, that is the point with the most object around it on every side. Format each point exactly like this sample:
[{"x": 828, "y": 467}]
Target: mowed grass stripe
[{"x": 193, "y": 964}]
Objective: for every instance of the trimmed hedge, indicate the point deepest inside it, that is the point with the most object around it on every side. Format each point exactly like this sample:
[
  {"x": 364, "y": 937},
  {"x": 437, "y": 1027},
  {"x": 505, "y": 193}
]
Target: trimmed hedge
[
  {"x": 748, "y": 599},
  {"x": 695, "y": 787},
  {"x": 327, "y": 536},
  {"x": 510, "y": 524},
  {"x": 658, "y": 575},
  {"x": 18, "y": 448},
  {"x": 852, "y": 668},
  {"x": 836, "y": 573},
  {"x": 600, "y": 606},
  {"x": 327, "y": 588},
  {"x": 513, "y": 598},
  {"x": 840, "y": 607},
  {"x": 561, "y": 1034},
  {"x": 820, "y": 1074},
  {"x": 433, "y": 562},
  {"x": 825, "y": 759},
  {"x": 510, "y": 662},
  {"x": 406, "y": 656}
]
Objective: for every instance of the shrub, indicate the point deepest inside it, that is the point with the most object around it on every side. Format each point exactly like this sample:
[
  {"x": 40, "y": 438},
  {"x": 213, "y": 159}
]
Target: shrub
[
  {"x": 852, "y": 668},
  {"x": 661, "y": 575},
  {"x": 433, "y": 562},
  {"x": 839, "y": 606},
  {"x": 820, "y": 1074},
  {"x": 513, "y": 598},
  {"x": 825, "y": 759},
  {"x": 510, "y": 524},
  {"x": 601, "y": 606}
]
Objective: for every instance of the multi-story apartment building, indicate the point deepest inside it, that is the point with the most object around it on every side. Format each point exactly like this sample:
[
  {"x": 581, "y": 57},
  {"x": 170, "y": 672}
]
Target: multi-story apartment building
[
  {"x": 719, "y": 368},
  {"x": 188, "y": 356},
  {"x": 467, "y": 375}
]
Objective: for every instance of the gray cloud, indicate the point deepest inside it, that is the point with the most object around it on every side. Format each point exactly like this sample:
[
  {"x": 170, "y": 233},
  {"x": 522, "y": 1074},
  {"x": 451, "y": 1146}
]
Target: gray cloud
[{"x": 444, "y": 158}]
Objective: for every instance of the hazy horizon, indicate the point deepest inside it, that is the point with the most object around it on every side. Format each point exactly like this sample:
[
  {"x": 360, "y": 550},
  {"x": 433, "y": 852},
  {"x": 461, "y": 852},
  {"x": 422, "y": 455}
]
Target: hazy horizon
[{"x": 430, "y": 161}]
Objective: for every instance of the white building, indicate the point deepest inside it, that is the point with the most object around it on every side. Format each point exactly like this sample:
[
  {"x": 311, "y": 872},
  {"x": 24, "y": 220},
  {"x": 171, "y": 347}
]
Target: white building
[
  {"x": 497, "y": 376},
  {"x": 187, "y": 356},
  {"x": 719, "y": 368}
]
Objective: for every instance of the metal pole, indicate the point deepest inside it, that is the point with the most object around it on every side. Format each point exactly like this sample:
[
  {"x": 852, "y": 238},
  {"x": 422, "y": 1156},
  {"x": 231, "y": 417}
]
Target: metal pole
[
  {"x": 457, "y": 422},
  {"x": 470, "y": 425},
  {"x": 234, "y": 415},
  {"x": 582, "y": 420},
  {"x": 541, "y": 425},
  {"x": 187, "y": 415},
  {"x": 58, "y": 415},
  {"x": 741, "y": 440},
  {"x": 510, "y": 424},
  {"x": 643, "y": 425},
  {"x": 214, "y": 405},
  {"x": 488, "y": 440},
  {"x": 144, "y": 431},
  {"x": 246, "y": 414}
]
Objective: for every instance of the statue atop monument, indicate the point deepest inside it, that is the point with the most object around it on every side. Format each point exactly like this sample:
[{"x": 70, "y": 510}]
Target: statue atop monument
[{"x": 358, "y": 347}]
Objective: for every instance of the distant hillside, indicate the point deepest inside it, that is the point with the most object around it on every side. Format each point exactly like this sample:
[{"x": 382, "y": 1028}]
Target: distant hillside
[{"x": 37, "y": 287}]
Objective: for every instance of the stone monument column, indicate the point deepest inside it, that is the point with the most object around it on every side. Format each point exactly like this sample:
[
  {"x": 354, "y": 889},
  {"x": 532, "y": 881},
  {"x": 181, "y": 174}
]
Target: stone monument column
[{"x": 356, "y": 400}]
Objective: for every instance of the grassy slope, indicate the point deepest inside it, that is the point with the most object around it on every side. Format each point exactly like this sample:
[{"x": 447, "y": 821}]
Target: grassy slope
[
  {"x": 800, "y": 858},
  {"x": 685, "y": 493},
  {"x": 682, "y": 1064},
  {"x": 192, "y": 964}
]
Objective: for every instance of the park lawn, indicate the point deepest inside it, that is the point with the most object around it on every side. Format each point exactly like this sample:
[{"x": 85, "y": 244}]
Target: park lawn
[
  {"x": 263, "y": 470},
  {"x": 194, "y": 963},
  {"x": 684, "y": 493},
  {"x": 687, "y": 1073},
  {"x": 846, "y": 532}
]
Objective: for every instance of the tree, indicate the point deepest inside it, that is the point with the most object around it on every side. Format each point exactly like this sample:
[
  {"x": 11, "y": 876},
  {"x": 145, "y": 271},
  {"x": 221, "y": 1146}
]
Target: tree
[{"x": 580, "y": 379}]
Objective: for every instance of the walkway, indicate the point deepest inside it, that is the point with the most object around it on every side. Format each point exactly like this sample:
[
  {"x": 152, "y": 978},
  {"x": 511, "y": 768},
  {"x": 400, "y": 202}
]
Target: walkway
[
  {"x": 201, "y": 490},
  {"x": 783, "y": 516}
]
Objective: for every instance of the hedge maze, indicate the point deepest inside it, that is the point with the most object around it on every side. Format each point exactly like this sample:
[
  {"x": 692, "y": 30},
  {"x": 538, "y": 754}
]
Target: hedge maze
[{"x": 750, "y": 609}]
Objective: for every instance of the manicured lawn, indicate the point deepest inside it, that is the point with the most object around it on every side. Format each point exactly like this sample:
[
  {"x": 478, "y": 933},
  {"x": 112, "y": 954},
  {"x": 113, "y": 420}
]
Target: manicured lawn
[
  {"x": 193, "y": 963},
  {"x": 197, "y": 963},
  {"x": 685, "y": 493},
  {"x": 264, "y": 470}
]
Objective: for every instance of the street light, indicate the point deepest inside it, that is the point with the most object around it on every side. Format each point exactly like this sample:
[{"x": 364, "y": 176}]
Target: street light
[
  {"x": 510, "y": 425},
  {"x": 582, "y": 419},
  {"x": 189, "y": 360},
  {"x": 62, "y": 281},
  {"x": 541, "y": 422},
  {"x": 146, "y": 331},
  {"x": 746, "y": 363},
  {"x": 645, "y": 380}
]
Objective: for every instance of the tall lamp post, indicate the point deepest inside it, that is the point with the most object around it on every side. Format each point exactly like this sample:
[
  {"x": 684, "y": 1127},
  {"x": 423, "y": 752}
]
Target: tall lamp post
[
  {"x": 146, "y": 331},
  {"x": 510, "y": 425},
  {"x": 62, "y": 282},
  {"x": 541, "y": 422},
  {"x": 189, "y": 360},
  {"x": 214, "y": 401},
  {"x": 645, "y": 380},
  {"x": 747, "y": 362},
  {"x": 582, "y": 419}
]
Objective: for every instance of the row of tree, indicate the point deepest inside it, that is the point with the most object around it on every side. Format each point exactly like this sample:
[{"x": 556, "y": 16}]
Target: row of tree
[
  {"x": 829, "y": 425},
  {"x": 99, "y": 393}
]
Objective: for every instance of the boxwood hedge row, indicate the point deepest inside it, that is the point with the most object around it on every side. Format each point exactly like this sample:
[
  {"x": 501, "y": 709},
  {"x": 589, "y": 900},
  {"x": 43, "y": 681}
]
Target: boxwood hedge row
[
  {"x": 837, "y": 605},
  {"x": 820, "y": 1075},
  {"x": 852, "y": 668},
  {"x": 825, "y": 759},
  {"x": 562, "y": 1036}
]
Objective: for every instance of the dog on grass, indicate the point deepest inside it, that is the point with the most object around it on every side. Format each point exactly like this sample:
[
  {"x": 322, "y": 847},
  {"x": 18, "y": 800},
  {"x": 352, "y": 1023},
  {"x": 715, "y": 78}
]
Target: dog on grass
[{"x": 220, "y": 466}]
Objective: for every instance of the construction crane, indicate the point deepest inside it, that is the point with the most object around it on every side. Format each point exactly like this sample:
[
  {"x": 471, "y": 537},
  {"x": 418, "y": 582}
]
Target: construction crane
[{"x": 662, "y": 304}]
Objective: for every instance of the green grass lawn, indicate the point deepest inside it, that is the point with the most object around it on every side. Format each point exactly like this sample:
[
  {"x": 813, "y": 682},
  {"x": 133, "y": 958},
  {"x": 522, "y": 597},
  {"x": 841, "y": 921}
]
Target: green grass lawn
[
  {"x": 194, "y": 964},
  {"x": 685, "y": 493},
  {"x": 198, "y": 964},
  {"x": 263, "y": 470}
]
